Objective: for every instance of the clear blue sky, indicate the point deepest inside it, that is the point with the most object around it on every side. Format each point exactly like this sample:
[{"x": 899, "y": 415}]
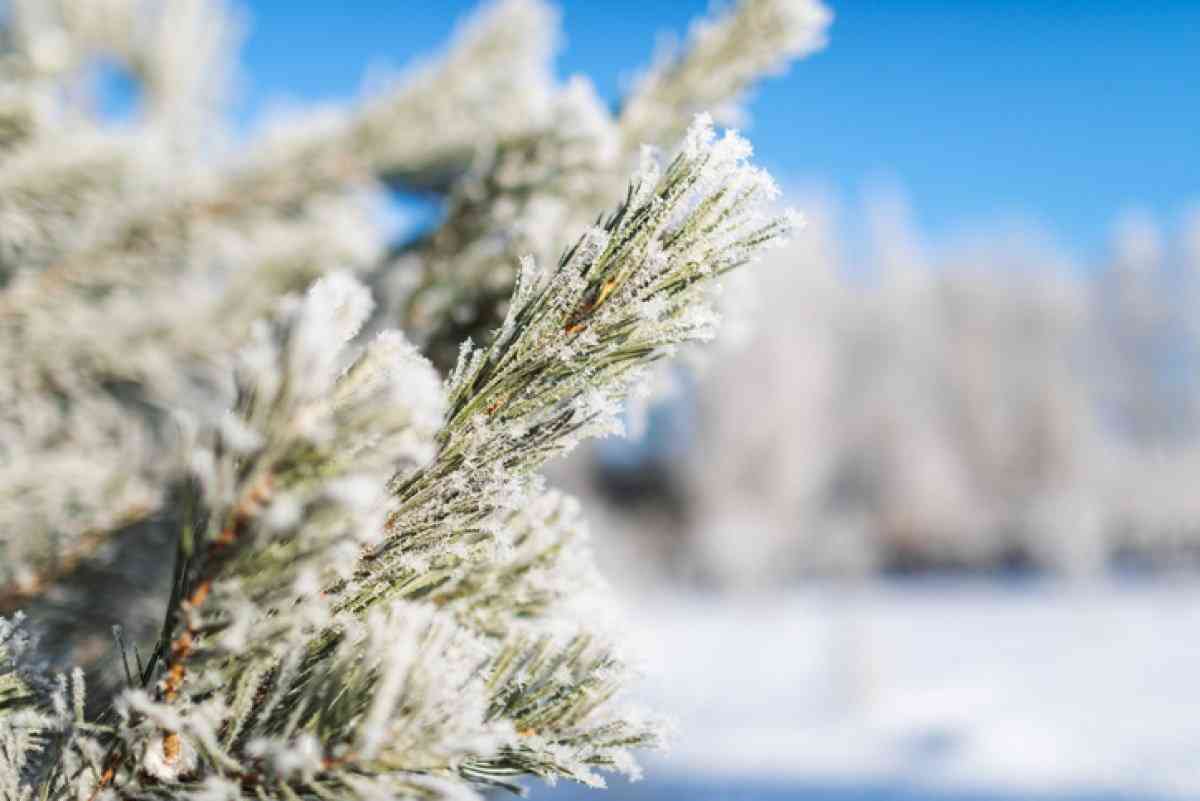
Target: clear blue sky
[{"x": 1061, "y": 112}]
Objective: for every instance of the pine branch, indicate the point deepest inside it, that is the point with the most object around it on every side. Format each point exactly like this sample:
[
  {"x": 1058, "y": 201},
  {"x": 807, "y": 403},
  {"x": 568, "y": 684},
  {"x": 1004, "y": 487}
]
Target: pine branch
[
  {"x": 103, "y": 231},
  {"x": 261, "y": 667},
  {"x": 576, "y": 340},
  {"x": 725, "y": 54},
  {"x": 374, "y": 594},
  {"x": 540, "y": 191}
]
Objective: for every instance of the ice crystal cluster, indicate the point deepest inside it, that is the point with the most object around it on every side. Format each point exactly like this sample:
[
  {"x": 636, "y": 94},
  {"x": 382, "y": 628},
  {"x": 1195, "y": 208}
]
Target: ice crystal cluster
[{"x": 300, "y": 465}]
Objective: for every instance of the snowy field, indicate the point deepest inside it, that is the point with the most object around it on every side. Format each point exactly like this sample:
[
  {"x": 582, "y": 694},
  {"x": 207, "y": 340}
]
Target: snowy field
[{"x": 920, "y": 690}]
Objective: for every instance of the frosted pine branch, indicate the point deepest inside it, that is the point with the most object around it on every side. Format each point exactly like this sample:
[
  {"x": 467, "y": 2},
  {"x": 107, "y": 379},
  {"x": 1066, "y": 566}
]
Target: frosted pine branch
[
  {"x": 298, "y": 562},
  {"x": 104, "y": 230},
  {"x": 539, "y": 191},
  {"x": 373, "y": 592},
  {"x": 724, "y": 55},
  {"x": 577, "y": 339}
]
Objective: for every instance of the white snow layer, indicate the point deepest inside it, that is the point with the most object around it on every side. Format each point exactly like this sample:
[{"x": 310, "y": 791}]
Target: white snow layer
[{"x": 1014, "y": 688}]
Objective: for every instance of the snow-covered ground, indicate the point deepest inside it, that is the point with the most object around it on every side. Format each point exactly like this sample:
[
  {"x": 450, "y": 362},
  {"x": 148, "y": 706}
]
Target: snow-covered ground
[{"x": 934, "y": 690}]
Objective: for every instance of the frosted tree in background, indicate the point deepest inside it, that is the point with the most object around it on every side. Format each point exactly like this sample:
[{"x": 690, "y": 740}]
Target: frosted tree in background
[
  {"x": 300, "y": 465},
  {"x": 916, "y": 407}
]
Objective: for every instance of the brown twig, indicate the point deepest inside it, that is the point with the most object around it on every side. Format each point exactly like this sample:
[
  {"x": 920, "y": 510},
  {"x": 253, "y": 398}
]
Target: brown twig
[{"x": 184, "y": 644}]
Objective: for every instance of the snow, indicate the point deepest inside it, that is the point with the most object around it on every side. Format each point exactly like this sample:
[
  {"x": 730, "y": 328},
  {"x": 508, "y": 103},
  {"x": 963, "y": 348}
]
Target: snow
[{"x": 919, "y": 689}]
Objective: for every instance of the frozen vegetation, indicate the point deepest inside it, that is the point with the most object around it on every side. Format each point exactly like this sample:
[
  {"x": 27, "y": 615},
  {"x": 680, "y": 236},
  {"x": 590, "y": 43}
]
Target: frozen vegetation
[{"x": 272, "y": 516}]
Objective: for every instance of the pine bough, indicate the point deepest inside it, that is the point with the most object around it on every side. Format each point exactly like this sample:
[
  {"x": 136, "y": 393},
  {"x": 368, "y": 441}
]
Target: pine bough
[{"x": 374, "y": 595}]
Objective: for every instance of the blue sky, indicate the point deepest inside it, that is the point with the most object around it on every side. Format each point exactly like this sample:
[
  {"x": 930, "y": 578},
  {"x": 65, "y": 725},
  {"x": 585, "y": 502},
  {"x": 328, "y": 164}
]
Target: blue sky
[{"x": 984, "y": 111}]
